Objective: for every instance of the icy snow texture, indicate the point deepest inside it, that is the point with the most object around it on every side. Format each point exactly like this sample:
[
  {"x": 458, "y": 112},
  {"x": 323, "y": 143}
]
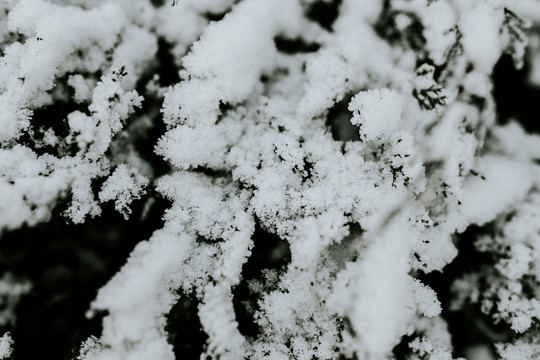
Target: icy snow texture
[
  {"x": 376, "y": 112},
  {"x": 5, "y": 346},
  {"x": 65, "y": 39},
  {"x": 249, "y": 142}
]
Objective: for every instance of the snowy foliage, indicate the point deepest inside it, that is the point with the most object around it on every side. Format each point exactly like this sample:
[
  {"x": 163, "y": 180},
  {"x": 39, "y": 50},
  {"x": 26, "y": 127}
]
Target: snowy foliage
[
  {"x": 5, "y": 346},
  {"x": 368, "y": 197}
]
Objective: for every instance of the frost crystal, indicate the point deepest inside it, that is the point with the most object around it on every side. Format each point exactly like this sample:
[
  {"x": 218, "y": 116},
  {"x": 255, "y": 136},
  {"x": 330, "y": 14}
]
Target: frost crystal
[
  {"x": 6, "y": 342},
  {"x": 123, "y": 186},
  {"x": 376, "y": 112}
]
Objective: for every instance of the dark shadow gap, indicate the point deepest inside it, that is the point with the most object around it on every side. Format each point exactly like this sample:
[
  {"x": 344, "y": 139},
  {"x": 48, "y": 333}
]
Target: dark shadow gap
[
  {"x": 515, "y": 98},
  {"x": 467, "y": 325},
  {"x": 412, "y": 37},
  {"x": 184, "y": 329},
  {"x": 296, "y": 45},
  {"x": 324, "y": 13},
  {"x": 339, "y": 121},
  {"x": 66, "y": 265},
  {"x": 269, "y": 253}
]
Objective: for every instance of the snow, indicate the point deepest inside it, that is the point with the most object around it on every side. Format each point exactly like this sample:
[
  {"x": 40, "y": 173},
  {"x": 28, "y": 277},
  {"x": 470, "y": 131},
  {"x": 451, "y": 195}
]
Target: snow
[
  {"x": 376, "y": 112},
  {"x": 225, "y": 64},
  {"x": 60, "y": 30},
  {"x": 481, "y": 43},
  {"x": 439, "y": 20},
  {"x": 135, "y": 323},
  {"x": 5, "y": 346},
  {"x": 123, "y": 186},
  {"x": 426, "y": 299},
  {"x": 253, "y": 137},
  {"x": 506, "y": 183},
  {"x": 383, "y": 296}
]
